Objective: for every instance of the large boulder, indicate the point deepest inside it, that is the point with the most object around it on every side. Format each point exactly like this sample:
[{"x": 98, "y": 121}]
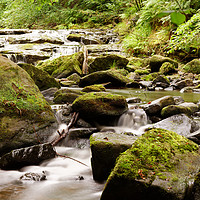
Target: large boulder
[
  {"x": 41, "y": 78},
  {"x": 106, "y": 147},
  {"x": 33, "y": 155},
  {"x": 24, "y": 113},
  {"x": 193, "y": 66},
  {"x": 100, "y": 106},
  {"x": 183, "y": 83},
  {"x": 156, "y": 61},
  {"x": 102, "y": 63},
  {"x": 63, "y": 66},
  {"x": 113, "y": 77},
  {"x": 160, "y": 165}
]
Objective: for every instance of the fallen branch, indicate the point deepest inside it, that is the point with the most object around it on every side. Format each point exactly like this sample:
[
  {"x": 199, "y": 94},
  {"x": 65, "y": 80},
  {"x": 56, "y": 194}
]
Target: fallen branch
[{"x": 65, "y": 131}]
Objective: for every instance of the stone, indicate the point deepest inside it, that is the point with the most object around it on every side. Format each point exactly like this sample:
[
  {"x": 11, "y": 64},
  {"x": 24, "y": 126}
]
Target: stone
[
  {"x": 105, "y": 148},
  {"x": 159, "y": 165},
  {"x": 41, "y": 78},
  {"x": 192, "y": 106},
  {"x": 24, "y": 113},
  {"x": 100, "y": 106},
  {"x": 33, "y": 176},
  {"x": 167, "y": 68},
  {"x": 162, "y": 80},
  {"x": 112, "y": 78},
  {"x": 94, "y": 88},
  {"x": 103, "y": 63},
  {"x": 193, "y": 66},
  {"x": 49, "y": 94},
  {"x": 133, "y": 100},
  {"x": 32, "y": 155},
  {"x": 183, "y": 83}
]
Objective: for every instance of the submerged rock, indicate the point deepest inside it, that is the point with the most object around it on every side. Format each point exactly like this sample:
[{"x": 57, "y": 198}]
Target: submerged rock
[
  {"x": 160, "y": 165},
  {"x": 33, "y": 155}
]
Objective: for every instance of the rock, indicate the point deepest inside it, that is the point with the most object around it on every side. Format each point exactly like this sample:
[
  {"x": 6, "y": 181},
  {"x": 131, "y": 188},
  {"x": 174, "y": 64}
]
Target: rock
[
  {"x": 196, "y": 188},
  {"x": 102, "y": 63},
  {"x": 66, "y": 96},
  {"x": 94, "y": 88},
  {"x": 133, "y": 84},
  {"x": 167, "y": 68},
  {"x": 74, "y": 77},
  {"x": 49, "y": 94},
  {"x": 156, "y": 62},
  {"x": 41, "y": 78},
  {"x": 178, "y": 100},
  {"x": 192, "y": 106},
  {"x": 113, "y": 77},
  {"x": 63, "y": 66},
  {"x": 33, "y": 155},
  {"x": 145, "y": 84},
  {"x": 187, "y": 90},
  {"x": 133, "y": 100},
  {"x": 106, "y": 147},
  {"x": 24, "y": 113},
  {"x": 100, "y": 106},
  {"x": 180, "y": 124},
  {"x": 175, "y": 109},
  {"x": 33, "y": 176},
  {"x": 160, "y": 165},
  {"x": 193, "y": 66},
  {"x": 156, "y": 106},
  {"x": 183, "y": 83},
  {"x": 195, "y": 136},
  {"x": 161, "y": 81},
  {"x": 14, "y": 31}
]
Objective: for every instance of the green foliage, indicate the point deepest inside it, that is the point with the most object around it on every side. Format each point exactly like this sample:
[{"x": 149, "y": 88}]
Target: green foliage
[
  {"x": 186, "y": 37},
  {"x": 177, "y": 18}
]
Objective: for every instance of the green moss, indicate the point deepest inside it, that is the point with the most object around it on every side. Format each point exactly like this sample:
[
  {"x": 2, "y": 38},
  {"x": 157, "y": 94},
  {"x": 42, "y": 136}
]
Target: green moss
[
  {"x": 94, "y": 88},
  {"x": 150, "y": 77},
  {"x": 153, "y": 153},
  {"x": 192, "y": 67},
  {"x": 167, "y": 68},
  {"x": 142, "y": 71}
]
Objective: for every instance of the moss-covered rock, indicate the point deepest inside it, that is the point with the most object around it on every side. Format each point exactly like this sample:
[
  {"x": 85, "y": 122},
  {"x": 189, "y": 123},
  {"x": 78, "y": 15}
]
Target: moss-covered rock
[
  {"x": 167, "y": 68},
  {"x": 113, "y": 77},
  {"x": 106, "y": 147},
  {"x": 160, "y": 165},
  {"x": 175, "y": 109},
  {"x": 66, "y": 96},
  {"x": 156, "y": 62},
  {"x": 183, "y": 83},
  {"x": 63, "y": 66},
  {"x": 100, "y": 106},
  {"x": 192, "y": 67},
  {"x": 94, "y": 88},
  {"x": 142, "y": 71},
  {"x": 106, "y": 62},
  {"x": 41, "y": 78},
  {"x": 23, "y": 109},
  {"x": 74, "y": 77}
]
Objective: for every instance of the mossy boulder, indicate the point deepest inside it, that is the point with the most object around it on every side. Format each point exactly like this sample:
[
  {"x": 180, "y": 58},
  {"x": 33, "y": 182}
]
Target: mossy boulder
[
  {"x": 183, "y": 83},
  {"x": 66, "y": 96},
  {"x": 156, "y": 62},
  {"x": 167, "y": 68},
  {"x": 23, "y": 110},
  {"x": 192, "y": 67},
  {"x": 175, "y": 109},
  {"x": 113, "y": 77},
  {"x": 100, "y": 106},
  {"x": 63, "y": 66},
  {"x": 41, "y": 78},
  {"x": 105, "y": 148},
  {"x": 74, "y": 77},
  {"x": 102, "y": 63},
  {"x": 94, "y": 88},
  {"x": 192, "y": 106},
  {"x": 160, "y": 165}
]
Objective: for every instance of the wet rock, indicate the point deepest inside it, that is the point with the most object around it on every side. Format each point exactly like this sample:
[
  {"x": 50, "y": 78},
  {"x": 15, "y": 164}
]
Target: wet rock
[
  {"x": 33, "y": 176},
  {"x": 178, "y": 100},
  {"x": 94, "y": 88},
  {"x": 192, "y": 106},
  {"x": 133, "y": 100},
  {"x": 74, "y": 77},
  {"x": 33, "y": 155},
  {"x": 100, "y": 106},
  {"x": 181, "y": 124},
  {"x": 133, "y": 84},
  {"x": 156, "y": 62},
  {"x": 76, "y": 133},
  {"x": 63, "y": 66},
  {"x": 106, "y": 147},
  {"x": 195, "y": 137},
  {"x": 113, "y": 77},
  {"x": 145, "y": 84},
  {"x": 156, "y": 106},
  {"x": 157, "y": 166},
  {"x": 196, "y": 188},
  {"x": 49, "y": 94},
  {"x": 161, "y": 81},
  {"x": 102, "y": 63},
  {"x": 183, "y": 83},
  {"x": 41, "y": 78},
  {"x": 193, "y": 66},
  {"x": 23, "y": 109},
  {"x": 14, "y": 31}
]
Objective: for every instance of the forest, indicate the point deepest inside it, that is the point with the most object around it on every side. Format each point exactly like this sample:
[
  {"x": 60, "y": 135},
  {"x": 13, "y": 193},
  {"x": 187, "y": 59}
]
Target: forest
[{"x": 169, "y": 28}]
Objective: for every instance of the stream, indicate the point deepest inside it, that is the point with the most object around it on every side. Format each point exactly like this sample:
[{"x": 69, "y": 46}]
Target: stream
[{"x": 66, "y": 178}]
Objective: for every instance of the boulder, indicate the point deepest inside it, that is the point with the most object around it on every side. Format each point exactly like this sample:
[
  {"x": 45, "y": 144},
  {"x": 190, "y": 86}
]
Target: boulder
[
  {"x": 181, "y": 124},
  {"x": 49, "y": 94},
  {"x": 167, "y": 68},
  {"x": 162, "y": 81},
  {"x": 156, "y": 62},
  {"x": 74, "y": 77},
  {"x": 183, "y": 83},
  {"x": 24, "y": 113},
  {"x": 41, "y": 78},
  {"x": 63, "y": 66},
  {"x": 160, "y": 165},
  {"x": 156, "y": 106},
  {"x": 174, "y": 110},
  {"x": 192, "y": 106},
  {"x": 102, "y": 63},
  {"x": 94, "y": 88},
  {"x": 100, "y": 106},
  {"x": 113, "y": 77},
  {"x": 30, "y": 176},
  {"x": 193, "y": 66},
  {"x": 106, "y": 147},
  {"x": 33, "y": 155},
  {"x": 195, "y": 136}
]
